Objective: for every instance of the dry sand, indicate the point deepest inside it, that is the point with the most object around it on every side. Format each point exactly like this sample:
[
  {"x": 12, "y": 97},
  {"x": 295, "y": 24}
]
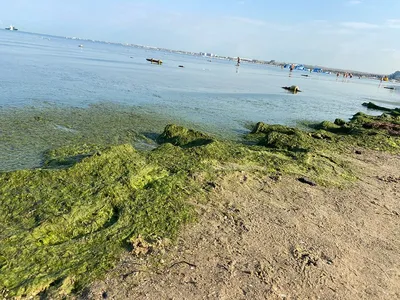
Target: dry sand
[{"x": 269, "y": 238}]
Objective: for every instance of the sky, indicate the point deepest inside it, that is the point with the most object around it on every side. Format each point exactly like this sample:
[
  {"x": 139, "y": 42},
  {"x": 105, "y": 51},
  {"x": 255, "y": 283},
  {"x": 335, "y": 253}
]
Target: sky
[{"x": 361, "y": 35}]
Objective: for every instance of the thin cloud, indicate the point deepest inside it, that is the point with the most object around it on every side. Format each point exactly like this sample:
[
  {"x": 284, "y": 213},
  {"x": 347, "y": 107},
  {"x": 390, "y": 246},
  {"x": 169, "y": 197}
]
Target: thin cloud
[
  {"x": 393, "y": 23},
  {"x": 359, "y": 25}
]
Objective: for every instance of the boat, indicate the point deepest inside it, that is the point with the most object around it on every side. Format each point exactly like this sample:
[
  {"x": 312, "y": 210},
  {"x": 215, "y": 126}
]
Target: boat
[
  {"x": 156, "y": 61},
  {"x": 12, "y": 28}
]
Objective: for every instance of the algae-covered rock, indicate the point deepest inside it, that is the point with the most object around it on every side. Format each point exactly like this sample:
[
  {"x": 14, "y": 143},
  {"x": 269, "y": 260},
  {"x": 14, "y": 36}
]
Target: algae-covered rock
[
  {"x": 285, "y": 138},
  {"x": 339, "y": 126},
  {"x": 371, "y": 105},
  {"x": 392, "y": 111},
  {"x": 323, "y": 135},
  {"x": 339, "y": 122},
  {"x": 386, "y": 122},
  {"x": 392, "y": 129},
  {"x": 361, "y": 118},
  {"x": 181, "y": 136},
  {"x": 261, "y": 127},
  {"x": 301, "y": 153},
  {"x": 294, "y": 141},
  {"x": 329, "y": 126}
]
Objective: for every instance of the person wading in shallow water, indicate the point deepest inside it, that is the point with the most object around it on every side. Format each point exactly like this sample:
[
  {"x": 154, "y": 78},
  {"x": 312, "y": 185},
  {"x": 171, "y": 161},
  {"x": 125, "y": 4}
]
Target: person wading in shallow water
[{"x": 238, "y": 61}]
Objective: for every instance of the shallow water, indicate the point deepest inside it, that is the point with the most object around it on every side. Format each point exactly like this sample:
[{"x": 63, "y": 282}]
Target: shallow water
[{"x": 217, "y": 97}]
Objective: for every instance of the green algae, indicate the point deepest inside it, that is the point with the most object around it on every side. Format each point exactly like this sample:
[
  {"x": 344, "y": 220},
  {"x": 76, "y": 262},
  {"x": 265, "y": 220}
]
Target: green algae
[
  {"x": 392, "y": 111},
  {"x": 181, "y": 136},
  {"x": 69, "y": 155},
  {"x": 279, "y": 149},
  {"x": 72, "y": 223},
  {"x": 26, "y": 133},
  {"x": 66, "y": 223},
  {"x": 365, "y": 131}
]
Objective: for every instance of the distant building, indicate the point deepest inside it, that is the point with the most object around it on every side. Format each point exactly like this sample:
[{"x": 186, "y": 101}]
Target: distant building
[{"x": 207, "y": 54}]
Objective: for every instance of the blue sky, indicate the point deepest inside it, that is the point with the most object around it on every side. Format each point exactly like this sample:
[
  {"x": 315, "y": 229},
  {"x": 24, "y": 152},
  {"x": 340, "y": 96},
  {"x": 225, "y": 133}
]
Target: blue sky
[{"x": 351, "y": 34}]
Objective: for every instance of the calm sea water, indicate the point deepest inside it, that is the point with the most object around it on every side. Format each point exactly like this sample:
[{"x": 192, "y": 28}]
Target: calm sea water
[
  {"x": 37, "y": 68},
  {"x": 216, "y": 95}
]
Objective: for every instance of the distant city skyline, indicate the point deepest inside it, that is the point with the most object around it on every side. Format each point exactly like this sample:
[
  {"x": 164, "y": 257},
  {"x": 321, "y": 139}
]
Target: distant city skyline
[{"x": 347, "y": 34}]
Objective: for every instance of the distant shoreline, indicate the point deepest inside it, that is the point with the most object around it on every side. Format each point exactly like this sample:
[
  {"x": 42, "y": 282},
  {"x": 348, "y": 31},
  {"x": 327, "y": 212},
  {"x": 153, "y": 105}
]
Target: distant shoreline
[{"x": 371, "y": 75}]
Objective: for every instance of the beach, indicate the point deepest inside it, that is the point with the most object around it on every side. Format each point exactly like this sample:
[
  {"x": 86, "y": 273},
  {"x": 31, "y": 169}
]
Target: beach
[
  {"x": 116, "y": 182},
  {"x": 263, "y": 239},
  {"x": 288, "y": 207}
]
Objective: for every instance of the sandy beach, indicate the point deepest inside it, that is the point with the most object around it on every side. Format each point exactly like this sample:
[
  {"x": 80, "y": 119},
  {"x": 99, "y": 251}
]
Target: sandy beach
[{"x": 263, "y": 238}]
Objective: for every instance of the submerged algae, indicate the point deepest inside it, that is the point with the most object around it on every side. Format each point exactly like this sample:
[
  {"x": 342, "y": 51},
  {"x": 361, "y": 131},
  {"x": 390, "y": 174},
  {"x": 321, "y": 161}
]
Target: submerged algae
[
  {"x": 26, "y": 133},
  {"x": 64, "y": 226},
  {"x": 392, "y": 111}
]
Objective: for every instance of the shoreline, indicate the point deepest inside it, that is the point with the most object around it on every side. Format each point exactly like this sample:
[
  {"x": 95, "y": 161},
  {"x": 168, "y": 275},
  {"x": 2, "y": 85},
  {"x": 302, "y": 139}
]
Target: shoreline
[
  {"x": 368, "y": 75},
  {"x": 29, "y": 131},
  {"x": 90, "y": 203}
]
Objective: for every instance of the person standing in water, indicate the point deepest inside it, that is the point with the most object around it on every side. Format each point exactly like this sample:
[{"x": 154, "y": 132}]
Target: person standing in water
[{"x": 238, "y": 61}]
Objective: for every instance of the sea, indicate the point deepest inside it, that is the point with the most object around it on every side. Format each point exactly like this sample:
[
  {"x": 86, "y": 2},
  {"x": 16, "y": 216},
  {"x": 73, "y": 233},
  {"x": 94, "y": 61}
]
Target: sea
[{"x": 209, "y": 94}]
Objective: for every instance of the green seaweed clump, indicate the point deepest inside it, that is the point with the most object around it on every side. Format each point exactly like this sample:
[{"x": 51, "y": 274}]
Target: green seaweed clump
[
  {"x": 371, "y": 132},
  {"x": 181, "y": 136},
  {"x": 291, "y": 139},
  {"x": 338, "y": 127},
  {"x": 340, "y": 122},
  {"x": 61, "y": 228},
  {"x": 312, "y": 154}
]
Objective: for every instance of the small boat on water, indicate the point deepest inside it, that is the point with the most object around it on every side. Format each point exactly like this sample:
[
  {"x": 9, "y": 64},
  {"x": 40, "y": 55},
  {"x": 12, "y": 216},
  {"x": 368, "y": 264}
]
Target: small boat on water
[
  {"x": 154, "y": 61},
  {"x": 11, "y": 28}
]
